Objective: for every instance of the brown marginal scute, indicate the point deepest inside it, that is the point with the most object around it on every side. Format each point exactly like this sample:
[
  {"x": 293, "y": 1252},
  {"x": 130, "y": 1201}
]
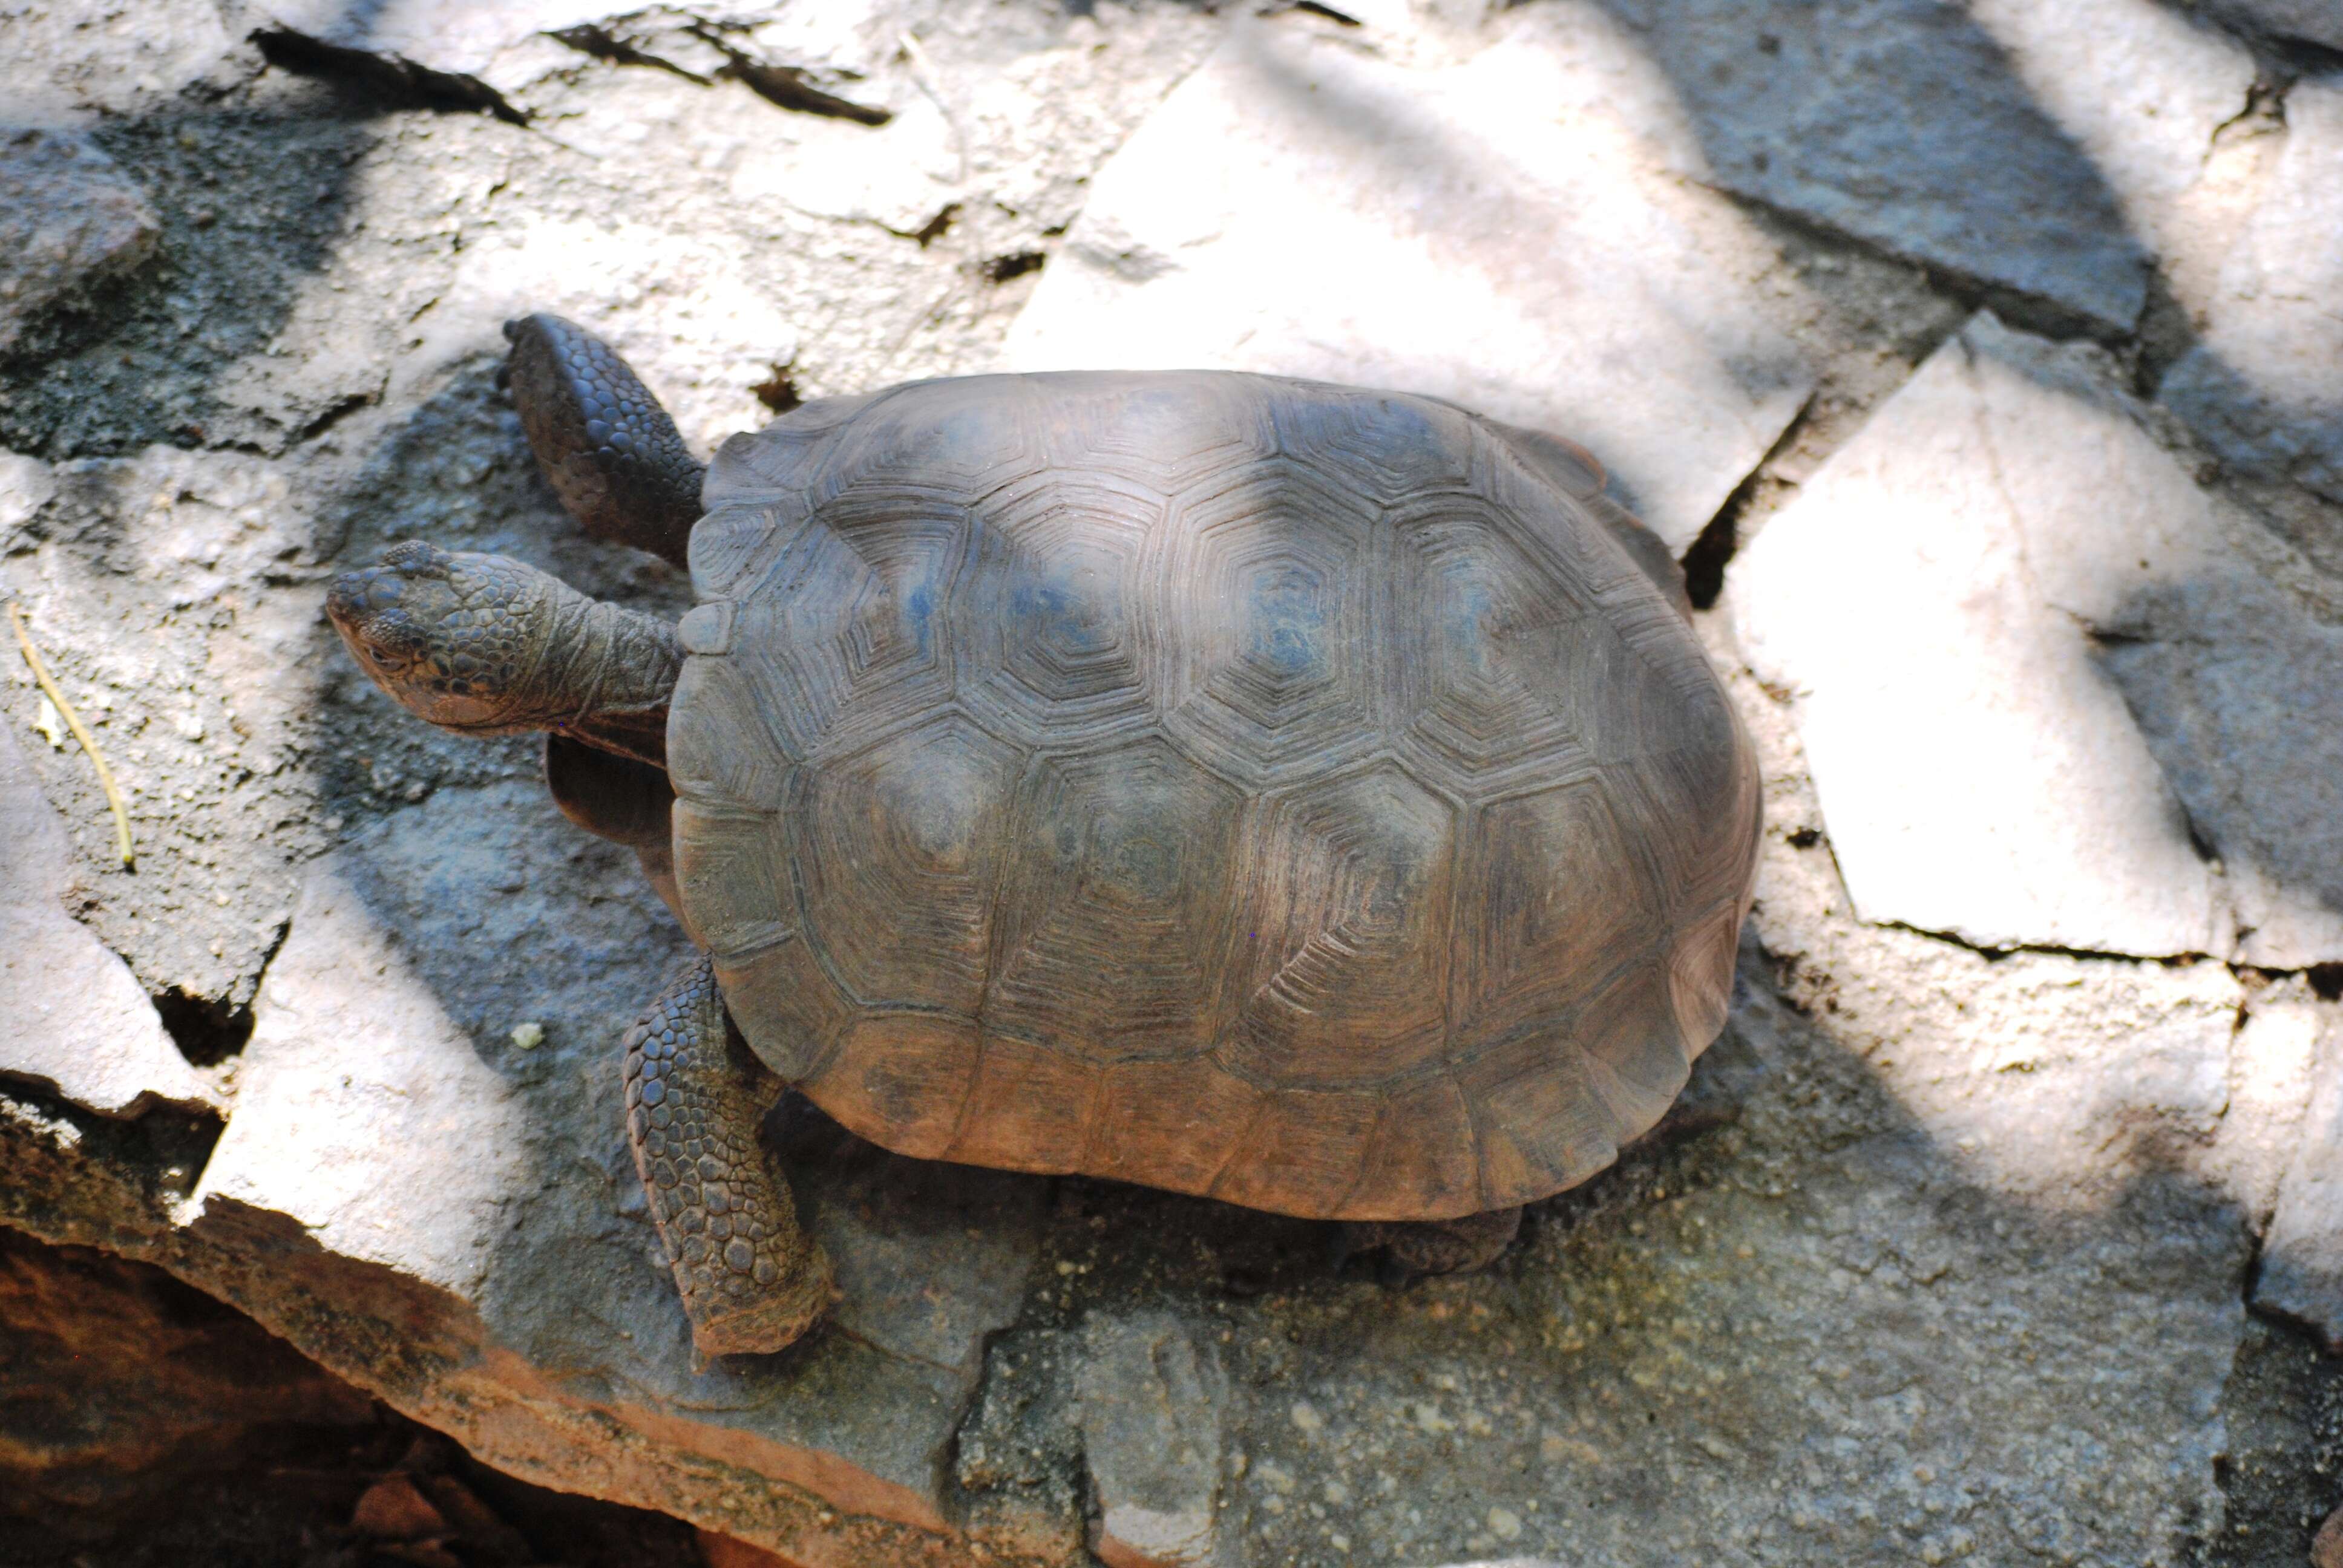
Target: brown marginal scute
[{"x": 1308, "y": 797}]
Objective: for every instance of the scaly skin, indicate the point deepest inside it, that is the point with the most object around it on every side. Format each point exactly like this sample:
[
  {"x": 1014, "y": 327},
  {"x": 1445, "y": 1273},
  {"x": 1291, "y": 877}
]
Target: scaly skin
[
  {"x": 487, "y": 646},
  {"x": 753, "y": 1281},
  {"x": 606, "y": 446}
]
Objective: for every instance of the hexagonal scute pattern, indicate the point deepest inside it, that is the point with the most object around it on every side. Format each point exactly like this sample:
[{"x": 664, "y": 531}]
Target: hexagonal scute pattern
[
  {"x": 1342, "y": 939},
  {"x": 846, "y": 638},
  {"x": 1243, "y": 786},
  {"x": 1486, "y": 687},
  {"x": 1052, "y": 621},
  {"x": 1166, "y": 432},
  {"x": 897, "y": 851},
  {"x": 1112, "y": 926},
  {"x": 1562, "y": 895},
  {"x": 1270, "y": 595},
  {"x": 1386, "y": 447},
  {"x": 954, "y": 440}
]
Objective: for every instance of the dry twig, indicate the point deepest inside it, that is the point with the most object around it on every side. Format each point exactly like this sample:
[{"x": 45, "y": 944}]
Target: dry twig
[{"x": 80, "y": 732}]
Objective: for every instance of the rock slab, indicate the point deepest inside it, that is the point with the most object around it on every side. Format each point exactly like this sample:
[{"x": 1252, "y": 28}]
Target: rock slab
[
  {"x": 2035, "y": 666},
  {"x": 434, "y": 1199},
  {"x": 82, "y": 1026},
  {"x": 2264, "y": 383},
  {"x": 1978, "y": 775},
  {"x": 1881, "y": 119},
  {"x": 1496, "y": 229}
]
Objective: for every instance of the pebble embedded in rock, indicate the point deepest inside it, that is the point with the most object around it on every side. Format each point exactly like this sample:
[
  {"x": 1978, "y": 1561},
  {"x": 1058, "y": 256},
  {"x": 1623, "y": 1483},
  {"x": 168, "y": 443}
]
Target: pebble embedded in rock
[{"x": 70, "y": 220}]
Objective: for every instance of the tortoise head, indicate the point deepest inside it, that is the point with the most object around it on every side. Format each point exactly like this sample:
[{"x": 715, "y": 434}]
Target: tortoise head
[
  {"x": 488, "y": 644},
  {"x": 454, "y": 637}
]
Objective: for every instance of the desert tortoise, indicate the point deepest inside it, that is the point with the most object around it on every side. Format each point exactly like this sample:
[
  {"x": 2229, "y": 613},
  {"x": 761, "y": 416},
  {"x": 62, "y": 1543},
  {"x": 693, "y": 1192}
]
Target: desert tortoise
[{"x": 1309, "y": 797}]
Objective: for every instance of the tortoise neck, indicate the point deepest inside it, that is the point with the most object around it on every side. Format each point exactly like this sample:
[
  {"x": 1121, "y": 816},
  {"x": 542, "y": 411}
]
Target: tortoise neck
[{"x": 614, "y": 670}]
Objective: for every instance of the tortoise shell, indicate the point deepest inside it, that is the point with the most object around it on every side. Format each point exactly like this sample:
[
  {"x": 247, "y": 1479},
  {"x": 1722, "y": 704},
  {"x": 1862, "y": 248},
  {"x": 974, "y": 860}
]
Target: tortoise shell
[{"x": 1305, "y": 796}]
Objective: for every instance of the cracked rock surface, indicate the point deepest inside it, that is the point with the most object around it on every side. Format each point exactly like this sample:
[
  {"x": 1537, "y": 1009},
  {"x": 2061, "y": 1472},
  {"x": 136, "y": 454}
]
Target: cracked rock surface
[
  {"x": 1514, "y": 193},
  {"x": 1973, "y": 359}
]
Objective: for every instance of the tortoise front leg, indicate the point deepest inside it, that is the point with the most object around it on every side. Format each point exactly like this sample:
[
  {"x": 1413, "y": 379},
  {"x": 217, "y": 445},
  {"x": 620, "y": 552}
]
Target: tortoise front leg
[
  {"x": 753, "y": 1281},
  {"x": 606, "y": 447}
]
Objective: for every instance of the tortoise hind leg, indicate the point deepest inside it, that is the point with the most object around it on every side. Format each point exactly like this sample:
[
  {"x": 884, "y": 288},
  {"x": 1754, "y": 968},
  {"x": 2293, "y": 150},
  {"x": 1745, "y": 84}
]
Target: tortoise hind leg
[
  {"x": 606, "y": 447},
  {"x": 1416, "y": 1247},
  {"x": 753, "y": 1281}
]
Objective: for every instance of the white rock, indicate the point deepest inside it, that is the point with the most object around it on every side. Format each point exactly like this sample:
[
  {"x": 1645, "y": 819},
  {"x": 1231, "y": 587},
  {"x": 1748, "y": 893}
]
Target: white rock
[
  {"x": 69, "y": 62},
  {"x": 2264, "y": 385},
  {"x": 78, "y": 1023},
  {"x": 1151, "y": 1414},
  {"x": 1495, "y": 231},
  {"x": 447, "y": 37},
  {"x": 358, "y": 1094},
  {"x": 1929, "y": 600},
  {"x": 25, "y": 485},
  {"x": 2139, "y": 88},
  {"x": 2302, "y": 1256},
  {"x": 2274, "y": 1065}
]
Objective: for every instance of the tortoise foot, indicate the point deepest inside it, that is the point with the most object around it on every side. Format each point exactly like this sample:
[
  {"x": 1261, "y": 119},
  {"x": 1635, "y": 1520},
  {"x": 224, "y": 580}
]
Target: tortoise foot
[
  {"x": 608, "y": 448},
  {"x": 751, "y": 1280},
  {"x": 752, "y": 1320},
  {"x": 1412, "y": 1249}
]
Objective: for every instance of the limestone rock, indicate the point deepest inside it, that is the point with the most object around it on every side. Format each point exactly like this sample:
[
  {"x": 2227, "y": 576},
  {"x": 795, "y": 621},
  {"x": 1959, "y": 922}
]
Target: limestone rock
[
  {"x": 2137, "y": 667},
  {"x": 2227, "y": 668},
  {"x": 1930, "y": 598},
  {"x": 1496, "y": 229},
  {"x": 2141, "y": 92},
  {"x": 79, "y": 1024},
  {"x": 2302, "y": 1257},
  {"x": 67, "y": 63},
  {"x": 2274, "y": 1064},
  {"x": 443, "y": 49},
  {"x": 2264, "y": 383},
  {"x": 198, "y": 687},
  {"x": 70, "y": 220}
]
